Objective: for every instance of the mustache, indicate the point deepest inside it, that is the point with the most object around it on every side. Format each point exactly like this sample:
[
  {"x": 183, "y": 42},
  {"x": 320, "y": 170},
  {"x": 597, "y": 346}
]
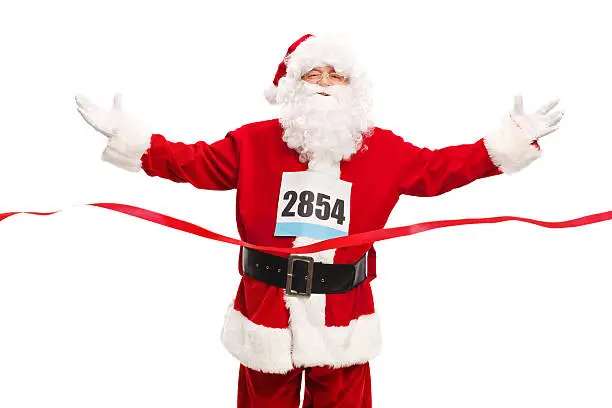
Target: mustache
[{"x": 313, "y": 89}]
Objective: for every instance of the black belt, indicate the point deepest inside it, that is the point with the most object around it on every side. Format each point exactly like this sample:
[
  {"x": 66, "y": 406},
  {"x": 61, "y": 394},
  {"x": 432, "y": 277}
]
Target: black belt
[{"x": 300, "y": 275}]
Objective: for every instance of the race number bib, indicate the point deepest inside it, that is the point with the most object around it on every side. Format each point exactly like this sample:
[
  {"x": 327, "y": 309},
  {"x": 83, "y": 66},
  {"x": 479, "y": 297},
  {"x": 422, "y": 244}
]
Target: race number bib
[{"x": 313, "y": 205}]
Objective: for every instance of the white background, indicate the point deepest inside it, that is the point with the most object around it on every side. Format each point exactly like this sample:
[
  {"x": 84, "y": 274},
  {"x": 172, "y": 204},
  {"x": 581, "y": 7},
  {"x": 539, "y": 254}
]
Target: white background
[{"x": 98, "y": 309}]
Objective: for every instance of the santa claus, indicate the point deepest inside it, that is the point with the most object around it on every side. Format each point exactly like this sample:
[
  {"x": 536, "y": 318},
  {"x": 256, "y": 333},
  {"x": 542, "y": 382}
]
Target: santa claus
[{"x": 320, "y": 170}]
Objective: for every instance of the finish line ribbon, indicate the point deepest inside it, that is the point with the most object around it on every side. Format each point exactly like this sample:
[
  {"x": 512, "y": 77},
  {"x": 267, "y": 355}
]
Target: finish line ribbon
[{"x": 361, "y": 238}]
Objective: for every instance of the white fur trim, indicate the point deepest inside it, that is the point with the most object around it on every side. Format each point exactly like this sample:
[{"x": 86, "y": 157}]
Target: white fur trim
[
  {"x": 316, "y": 51},
  {"x": 126, "y": 148},
  {"x": 315, "y": 344},
  {"x": 510, "y": 147},
  {"x": 273, "y": 350},
  {"x": 258, "y": 347}
]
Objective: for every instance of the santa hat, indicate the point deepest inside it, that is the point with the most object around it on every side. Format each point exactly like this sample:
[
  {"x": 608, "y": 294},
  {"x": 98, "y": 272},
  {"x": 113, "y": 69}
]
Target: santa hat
[{"x": 305, "y": 54}]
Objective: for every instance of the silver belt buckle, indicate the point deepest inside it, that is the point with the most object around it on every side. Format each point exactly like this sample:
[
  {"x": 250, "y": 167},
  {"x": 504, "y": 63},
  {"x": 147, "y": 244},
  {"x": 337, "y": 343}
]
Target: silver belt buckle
[{"x": 301, "y": 258}]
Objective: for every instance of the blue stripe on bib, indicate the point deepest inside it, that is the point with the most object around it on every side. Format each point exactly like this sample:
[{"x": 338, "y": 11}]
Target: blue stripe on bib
[{"x": 300, "y": 229}]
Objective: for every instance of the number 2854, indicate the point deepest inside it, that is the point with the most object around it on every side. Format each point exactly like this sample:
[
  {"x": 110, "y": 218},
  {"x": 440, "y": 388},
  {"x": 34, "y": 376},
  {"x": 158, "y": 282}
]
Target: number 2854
[{"x": 307, "y": 205}]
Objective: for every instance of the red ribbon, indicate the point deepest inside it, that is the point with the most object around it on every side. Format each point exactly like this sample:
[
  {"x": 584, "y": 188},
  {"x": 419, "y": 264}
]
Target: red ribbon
[{"x": 350, "y": 240}]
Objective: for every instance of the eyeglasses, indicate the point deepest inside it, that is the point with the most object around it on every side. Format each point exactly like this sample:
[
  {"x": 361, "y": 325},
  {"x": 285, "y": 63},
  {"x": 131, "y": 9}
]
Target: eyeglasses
[{"x": 316, "y": 76}]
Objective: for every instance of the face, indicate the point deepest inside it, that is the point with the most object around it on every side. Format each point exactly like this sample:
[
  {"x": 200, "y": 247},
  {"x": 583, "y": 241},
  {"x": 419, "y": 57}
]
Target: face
[
  {"x": 325, "y": 127},
  {"x": 324, "y": 76}
]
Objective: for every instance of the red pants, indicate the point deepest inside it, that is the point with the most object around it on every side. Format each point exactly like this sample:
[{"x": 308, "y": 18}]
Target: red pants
[{"x": 326, "y": 387}]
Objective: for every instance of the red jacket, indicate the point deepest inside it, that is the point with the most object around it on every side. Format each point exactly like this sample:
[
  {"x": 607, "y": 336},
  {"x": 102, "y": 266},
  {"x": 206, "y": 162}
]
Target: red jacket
[{"x": 265, "y": 329}]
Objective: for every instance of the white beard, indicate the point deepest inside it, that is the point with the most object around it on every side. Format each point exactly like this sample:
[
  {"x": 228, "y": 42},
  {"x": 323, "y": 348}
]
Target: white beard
[{"x": 324, "y": 129}]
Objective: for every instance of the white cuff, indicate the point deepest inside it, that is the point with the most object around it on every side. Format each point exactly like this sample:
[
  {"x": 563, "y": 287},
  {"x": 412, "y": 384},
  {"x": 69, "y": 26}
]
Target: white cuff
[
  {"x": 510, "y": 147},
  {"x": 125, "y": 149}
]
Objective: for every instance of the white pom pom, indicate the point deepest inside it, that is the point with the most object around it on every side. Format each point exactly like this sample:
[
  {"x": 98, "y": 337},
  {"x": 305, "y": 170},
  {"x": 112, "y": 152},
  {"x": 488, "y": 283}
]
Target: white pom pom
[{"x": 271, "y": 94}]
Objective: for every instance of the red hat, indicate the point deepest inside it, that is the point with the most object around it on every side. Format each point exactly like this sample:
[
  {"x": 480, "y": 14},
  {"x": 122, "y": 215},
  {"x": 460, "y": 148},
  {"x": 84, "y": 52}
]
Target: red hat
[
  {"x": 282, "y": 67},
  {"x": 303, "y": 55}
]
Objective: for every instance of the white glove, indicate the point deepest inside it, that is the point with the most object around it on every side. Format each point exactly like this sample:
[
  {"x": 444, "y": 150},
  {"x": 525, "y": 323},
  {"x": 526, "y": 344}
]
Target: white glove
[
  {"x": 511, "y": 145},
  {"x": 108, "y": 122},
  {"x": 128, "y": 139},
  {"x": 539, "y": 124}
]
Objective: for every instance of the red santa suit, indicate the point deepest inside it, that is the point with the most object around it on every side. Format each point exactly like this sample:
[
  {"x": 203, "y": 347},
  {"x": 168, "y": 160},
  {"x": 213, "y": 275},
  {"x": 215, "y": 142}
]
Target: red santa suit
[{"x": 265, "y": 329}]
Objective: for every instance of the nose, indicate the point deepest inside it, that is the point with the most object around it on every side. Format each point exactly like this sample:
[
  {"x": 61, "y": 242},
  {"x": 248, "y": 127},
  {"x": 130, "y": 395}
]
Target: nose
[{"x": 325, "y": 81}]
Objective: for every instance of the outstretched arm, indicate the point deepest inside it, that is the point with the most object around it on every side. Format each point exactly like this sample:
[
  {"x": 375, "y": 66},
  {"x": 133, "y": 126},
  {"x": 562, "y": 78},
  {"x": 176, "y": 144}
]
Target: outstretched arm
[
  {"x": 507, "y": 149},
  {"x": 132, "y": 147},
  {"x": 429, "y": 173},
  {"x": 207, "y": 166}
]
